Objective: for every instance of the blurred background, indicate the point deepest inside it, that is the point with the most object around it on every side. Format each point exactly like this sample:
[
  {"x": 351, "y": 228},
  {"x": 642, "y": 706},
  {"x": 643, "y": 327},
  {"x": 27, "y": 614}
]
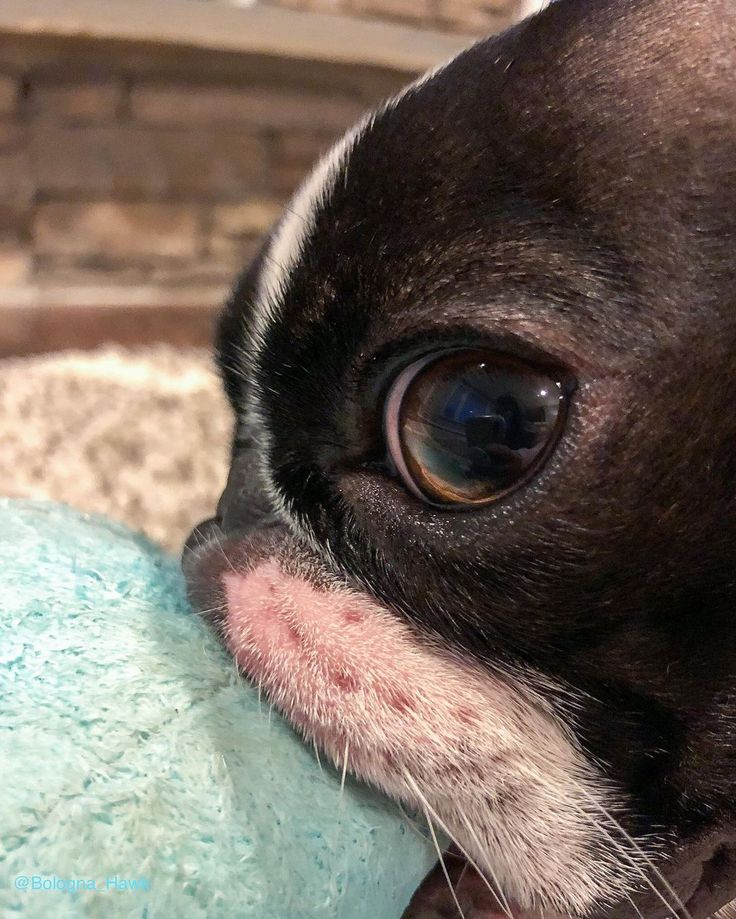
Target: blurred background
[{"x": 145, "y": 147}]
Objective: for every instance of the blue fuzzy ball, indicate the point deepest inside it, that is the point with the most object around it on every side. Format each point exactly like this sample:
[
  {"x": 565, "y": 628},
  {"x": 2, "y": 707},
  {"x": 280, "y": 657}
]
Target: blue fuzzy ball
[{"x": 141, "y": 777}]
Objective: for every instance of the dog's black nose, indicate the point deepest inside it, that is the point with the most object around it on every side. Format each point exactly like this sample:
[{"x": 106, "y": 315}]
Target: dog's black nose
[{"x": 244, "y": 505}]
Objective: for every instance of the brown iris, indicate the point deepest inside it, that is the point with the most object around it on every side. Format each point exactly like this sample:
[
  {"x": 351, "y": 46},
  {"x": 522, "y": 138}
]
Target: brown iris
[{"x": 465, "y": 427}]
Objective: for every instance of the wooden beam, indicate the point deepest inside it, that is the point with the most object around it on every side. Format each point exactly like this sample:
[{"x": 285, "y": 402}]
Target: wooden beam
[
  {"x": 257, "y": 29},
  {"x": 111, "y": 296},
  {"x": 58, "y": 323}
]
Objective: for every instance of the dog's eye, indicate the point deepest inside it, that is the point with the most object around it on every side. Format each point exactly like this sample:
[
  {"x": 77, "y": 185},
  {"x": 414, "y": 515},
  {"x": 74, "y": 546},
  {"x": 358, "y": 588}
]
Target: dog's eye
[{"x": 465, "y": 427}]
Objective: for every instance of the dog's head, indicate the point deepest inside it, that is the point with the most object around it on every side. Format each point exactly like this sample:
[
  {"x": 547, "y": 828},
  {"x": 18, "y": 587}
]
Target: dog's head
[{"x": 480, "y": 530}]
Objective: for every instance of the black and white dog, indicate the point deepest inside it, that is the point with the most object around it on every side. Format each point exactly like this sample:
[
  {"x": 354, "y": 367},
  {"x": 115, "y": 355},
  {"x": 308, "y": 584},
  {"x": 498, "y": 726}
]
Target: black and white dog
[{"x": 480, "y": 530}]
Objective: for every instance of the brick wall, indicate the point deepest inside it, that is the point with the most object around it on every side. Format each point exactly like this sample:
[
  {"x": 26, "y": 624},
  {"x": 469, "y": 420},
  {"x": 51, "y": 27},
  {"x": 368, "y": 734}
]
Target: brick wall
[
  {"x": 146, "y": 174},
  {"x": 127, "y": 166}
]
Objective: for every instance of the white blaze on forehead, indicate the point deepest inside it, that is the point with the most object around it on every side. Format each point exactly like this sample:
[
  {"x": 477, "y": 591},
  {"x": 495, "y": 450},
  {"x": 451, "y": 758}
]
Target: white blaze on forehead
[
  {"x": 281, "y": 256},
  {"x": 298, "y": 223},
  {"x": 292, "y": 234},
  {"x": 490, "y": 762},
  {"x": 530, "y": 7},
  {"x": 294, "y": 231},
  {"x": 287, "y": 245}
]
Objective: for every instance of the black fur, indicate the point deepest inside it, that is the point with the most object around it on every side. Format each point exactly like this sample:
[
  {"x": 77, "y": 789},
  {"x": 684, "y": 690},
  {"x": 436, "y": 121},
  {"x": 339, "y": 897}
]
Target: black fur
[{"x": 566, "y": 193}]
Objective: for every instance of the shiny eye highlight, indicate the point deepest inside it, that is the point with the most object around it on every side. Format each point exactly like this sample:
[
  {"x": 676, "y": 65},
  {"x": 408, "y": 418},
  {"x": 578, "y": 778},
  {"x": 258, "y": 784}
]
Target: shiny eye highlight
[{"x": 466, "y": 427}]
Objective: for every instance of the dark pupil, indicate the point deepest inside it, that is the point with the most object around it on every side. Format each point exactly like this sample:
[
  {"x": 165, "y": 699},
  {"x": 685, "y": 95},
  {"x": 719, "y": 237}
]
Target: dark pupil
[{"x": 473, "y": 425}]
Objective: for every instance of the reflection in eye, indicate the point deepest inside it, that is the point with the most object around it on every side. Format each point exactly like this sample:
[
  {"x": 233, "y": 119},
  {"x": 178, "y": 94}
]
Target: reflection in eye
[{"x": 465, "y": 427}]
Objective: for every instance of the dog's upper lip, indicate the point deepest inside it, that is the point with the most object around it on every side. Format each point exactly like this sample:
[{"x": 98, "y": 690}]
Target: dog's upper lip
[{"x": 702, "y": 870}]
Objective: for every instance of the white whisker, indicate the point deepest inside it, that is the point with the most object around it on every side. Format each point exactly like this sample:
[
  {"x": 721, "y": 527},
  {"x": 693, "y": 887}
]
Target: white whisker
[
  {"x": 344, "y": 768},
  {"x": 497, "y": 892},
  {"x": 440, "y": 823},
  {"x": 316, "y": 753},
  {"x": 425, "y": 806},
  {"x": 462, "y": 875},
  {"x": 220, "y": 608},
  {"x": 628, "y": 857},
  {"x": 655, "y": 870},
  {"x": 626, "y": 854},
  {"x": 217, "y": 541}
]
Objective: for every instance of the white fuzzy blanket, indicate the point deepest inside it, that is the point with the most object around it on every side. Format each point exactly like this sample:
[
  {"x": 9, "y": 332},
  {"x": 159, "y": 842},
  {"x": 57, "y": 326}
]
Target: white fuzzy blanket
[{"x": 141, "y": 436}]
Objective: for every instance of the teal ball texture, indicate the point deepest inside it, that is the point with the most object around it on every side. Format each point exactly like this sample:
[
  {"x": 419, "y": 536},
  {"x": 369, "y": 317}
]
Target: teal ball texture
[{"x": 142, "y": 777}]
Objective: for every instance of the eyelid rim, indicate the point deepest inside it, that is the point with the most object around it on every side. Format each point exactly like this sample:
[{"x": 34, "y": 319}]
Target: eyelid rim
[
  {"x": 391, "y": 413},
  {"x": 380, "y": 367},
  {"x": 568, "y": 384}
]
